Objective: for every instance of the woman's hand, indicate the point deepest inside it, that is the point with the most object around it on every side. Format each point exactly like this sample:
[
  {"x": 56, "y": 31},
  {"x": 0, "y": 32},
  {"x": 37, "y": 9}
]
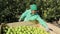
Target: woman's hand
[{"x": 48, "y": 30}]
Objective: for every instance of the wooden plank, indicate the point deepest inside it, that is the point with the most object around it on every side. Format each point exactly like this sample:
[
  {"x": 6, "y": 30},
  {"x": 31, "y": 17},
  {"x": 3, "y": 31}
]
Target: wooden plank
[
  {"x": 51, "y": 32},
  {"x": 54, "y": 28},
  {"x": 16, "y": 24}
]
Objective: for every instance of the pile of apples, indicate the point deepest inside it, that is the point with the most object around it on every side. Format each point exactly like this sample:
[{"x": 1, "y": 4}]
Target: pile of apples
[{"x": 25, "y": 30}]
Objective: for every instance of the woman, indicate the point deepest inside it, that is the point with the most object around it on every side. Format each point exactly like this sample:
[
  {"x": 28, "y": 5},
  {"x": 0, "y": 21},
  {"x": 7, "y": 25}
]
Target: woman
[{"x": 31, "y": 15}]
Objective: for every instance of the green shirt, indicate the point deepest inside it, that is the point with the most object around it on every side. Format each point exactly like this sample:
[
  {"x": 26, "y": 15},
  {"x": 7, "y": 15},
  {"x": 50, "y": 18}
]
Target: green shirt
[{"x": 27, "y": 16}]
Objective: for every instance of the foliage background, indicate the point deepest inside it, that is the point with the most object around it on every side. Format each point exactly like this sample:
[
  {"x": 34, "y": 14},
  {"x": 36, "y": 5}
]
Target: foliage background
[{"x": 11, "y": 9}]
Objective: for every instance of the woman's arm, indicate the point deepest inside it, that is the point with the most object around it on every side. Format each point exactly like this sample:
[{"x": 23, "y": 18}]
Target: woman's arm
[
  {"x": 42, "y": 22},
  {"x": 24, "y": 15}
]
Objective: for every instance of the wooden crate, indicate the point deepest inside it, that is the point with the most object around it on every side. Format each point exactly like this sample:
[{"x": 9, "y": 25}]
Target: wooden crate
[{"x": 16, "y": 24}]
